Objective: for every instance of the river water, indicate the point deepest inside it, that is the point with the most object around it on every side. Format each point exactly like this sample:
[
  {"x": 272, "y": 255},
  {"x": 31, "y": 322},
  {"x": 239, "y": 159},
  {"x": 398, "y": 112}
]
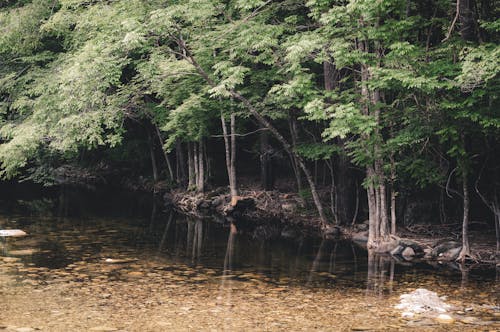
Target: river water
[{"x": 124, "y": 268}]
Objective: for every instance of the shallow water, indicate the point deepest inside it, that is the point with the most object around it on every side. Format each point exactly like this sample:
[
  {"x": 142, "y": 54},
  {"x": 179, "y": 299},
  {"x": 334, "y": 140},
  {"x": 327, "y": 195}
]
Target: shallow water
[{"x": 117, "y": 271}]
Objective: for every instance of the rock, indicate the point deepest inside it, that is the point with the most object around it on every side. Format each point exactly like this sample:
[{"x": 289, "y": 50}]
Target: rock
[
  {"x": 24, "y": 329},
  {"x": 408, "y": 253},
  {"x": 388, "y": 245},
  {"x": 408, "y": 315},
  {"x": 417, "y": 248},
  {"x": 360, "y": 237},
  {"x": 289, "y": 207},
  {"x": 362, "y": 227},
  {"x": 22, "y": 252},
  {"x": 422, "y": 300},
  {"x": 398, "y": 250},
  {"x": 120, "y": 261},
  {"x": 445, "y": 319},
  {"x": 447, "y": 250},
  {"x": 103, "y": 329},
  {"x": 12, "y": 232},
  {"x": 331, "y": 231}
]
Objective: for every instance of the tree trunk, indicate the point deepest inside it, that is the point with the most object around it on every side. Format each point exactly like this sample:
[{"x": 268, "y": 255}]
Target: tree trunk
[
  {"x": 230, "y": 149},
  {"x": 344, "y": 193},
  {"x": 191, "y": 166},
  {"x": 181, "y": 164},
  {"x": 165, "y": 155},
  {"x": 153, "y": 158},
  {"x": 266, "y": 176},
  {"x": 465, "y": 222},
  {"x": 201, "y": 168},
  {"x": 232, "y": 176},
  {"x": 292, "y": 124},
  {"x": 467, "y": 20}
]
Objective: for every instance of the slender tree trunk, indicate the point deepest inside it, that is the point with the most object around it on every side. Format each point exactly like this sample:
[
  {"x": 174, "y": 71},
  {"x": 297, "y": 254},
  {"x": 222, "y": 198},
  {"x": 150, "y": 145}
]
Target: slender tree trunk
[
  {"x": 292, "y": 124},
  {"x": 266, "y": 179},
  {"x": 201, "y": 167},
  {"x": 496, "y": 211},
  {"x": 232, "y": 176},
  {"x": 465, "y": 222},
  {"x": 191, "y": 166},
  {"x": 196, "y": 166},
  {"x": 393, "y": 196},
  {"x": 181, "y": 162},
  {"x": 230, "y": 148},
  {"x": 153, "y": 158},
  {"x": 165, "y": 155},
  {"x": 467, "y": 20}
]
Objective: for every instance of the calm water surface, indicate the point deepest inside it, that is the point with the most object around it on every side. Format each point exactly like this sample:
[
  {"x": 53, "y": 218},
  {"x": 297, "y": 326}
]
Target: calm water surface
[{"x": 92, "y": 256}]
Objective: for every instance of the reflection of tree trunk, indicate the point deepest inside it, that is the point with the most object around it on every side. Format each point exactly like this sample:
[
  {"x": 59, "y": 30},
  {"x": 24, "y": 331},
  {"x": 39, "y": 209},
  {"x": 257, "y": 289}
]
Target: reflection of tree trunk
[
  {"x": 190, "y": 236},
  {"x": 165, "y": 232},
  {"x": 465, "y": 276},
  {"x": 316, "y": 262},
  {"x": 197, "y": 239},
  {"x": 228, "y": 259}
]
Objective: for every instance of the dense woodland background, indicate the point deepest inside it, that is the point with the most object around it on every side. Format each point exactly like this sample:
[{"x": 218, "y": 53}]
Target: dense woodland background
[{"x": 386, "y": 110}]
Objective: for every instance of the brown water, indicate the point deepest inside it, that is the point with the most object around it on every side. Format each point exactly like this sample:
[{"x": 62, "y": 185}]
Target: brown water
[{"x": 166, "y": 272}]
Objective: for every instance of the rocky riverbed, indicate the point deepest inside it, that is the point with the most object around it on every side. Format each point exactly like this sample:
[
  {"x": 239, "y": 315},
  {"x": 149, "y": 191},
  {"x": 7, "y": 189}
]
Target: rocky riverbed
[{"x": 173, "y": 273}]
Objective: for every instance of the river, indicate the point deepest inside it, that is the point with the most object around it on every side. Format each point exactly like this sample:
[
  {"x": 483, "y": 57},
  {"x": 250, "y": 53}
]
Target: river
[{"x": 108, "y": 264}]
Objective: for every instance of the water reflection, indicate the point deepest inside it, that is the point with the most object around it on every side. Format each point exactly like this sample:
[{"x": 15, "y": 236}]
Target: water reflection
[{"x": 380, "y": 274}]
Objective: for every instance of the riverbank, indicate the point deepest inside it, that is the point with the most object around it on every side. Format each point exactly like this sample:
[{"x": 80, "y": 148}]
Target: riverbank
[{"x": 273, "y": 214}]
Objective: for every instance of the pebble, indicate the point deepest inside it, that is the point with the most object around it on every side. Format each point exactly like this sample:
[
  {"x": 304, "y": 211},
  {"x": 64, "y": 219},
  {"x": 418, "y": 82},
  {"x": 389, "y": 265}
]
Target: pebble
[
  {"x": 24, "y": 329},
  {"x": 103, "y": 329},
  {"x": 445, "y": 319}
]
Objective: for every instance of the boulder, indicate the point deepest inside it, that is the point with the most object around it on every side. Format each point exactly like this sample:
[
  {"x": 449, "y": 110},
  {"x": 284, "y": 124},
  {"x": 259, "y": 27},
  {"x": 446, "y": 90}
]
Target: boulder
[
  {"x": 408, "y": 253},
  {"x": 331, "y": 231},
  {"x": 360, "y": 236},
  {"x": 446, "y": 250},
  {"x": 12, "y": 232}
]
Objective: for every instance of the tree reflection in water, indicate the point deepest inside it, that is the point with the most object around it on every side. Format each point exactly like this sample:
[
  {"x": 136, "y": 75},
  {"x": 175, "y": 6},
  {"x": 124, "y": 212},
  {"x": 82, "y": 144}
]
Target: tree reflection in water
[{"x": 380, "y": 274}]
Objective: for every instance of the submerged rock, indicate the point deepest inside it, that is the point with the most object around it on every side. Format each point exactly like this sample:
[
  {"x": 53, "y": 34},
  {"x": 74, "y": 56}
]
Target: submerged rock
[
  {"x": 422, "y": 300},
  {"x": 12, "y": 232},
  {"x": 445, "y": 319}
]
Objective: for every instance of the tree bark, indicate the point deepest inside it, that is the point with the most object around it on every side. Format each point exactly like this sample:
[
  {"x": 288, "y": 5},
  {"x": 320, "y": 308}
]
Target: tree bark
[
  {"x": 467, "y": 20},
  {"x": 292, "y": 124},
  {"x": 153, "y": 158},
  {"x": 191, "y": 166},
  {"x": 465, "y": 222},
  {"x": 230, "y": 149},
  {"x": 232, "y": 176},
  {"x": 266, "y": 176},
  {"x": 201, "y": 168},
  {"x": 181, "y": 163}
]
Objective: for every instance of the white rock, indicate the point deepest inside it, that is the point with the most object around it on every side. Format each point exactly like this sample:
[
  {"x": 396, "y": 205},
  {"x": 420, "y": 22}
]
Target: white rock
[
  {"x": 445, "y": 319},
  {"x": 12, "y": 232}
]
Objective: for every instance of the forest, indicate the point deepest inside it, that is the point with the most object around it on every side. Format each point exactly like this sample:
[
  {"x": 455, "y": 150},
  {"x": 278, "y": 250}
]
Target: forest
[{"x": 366, "y": 109}]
